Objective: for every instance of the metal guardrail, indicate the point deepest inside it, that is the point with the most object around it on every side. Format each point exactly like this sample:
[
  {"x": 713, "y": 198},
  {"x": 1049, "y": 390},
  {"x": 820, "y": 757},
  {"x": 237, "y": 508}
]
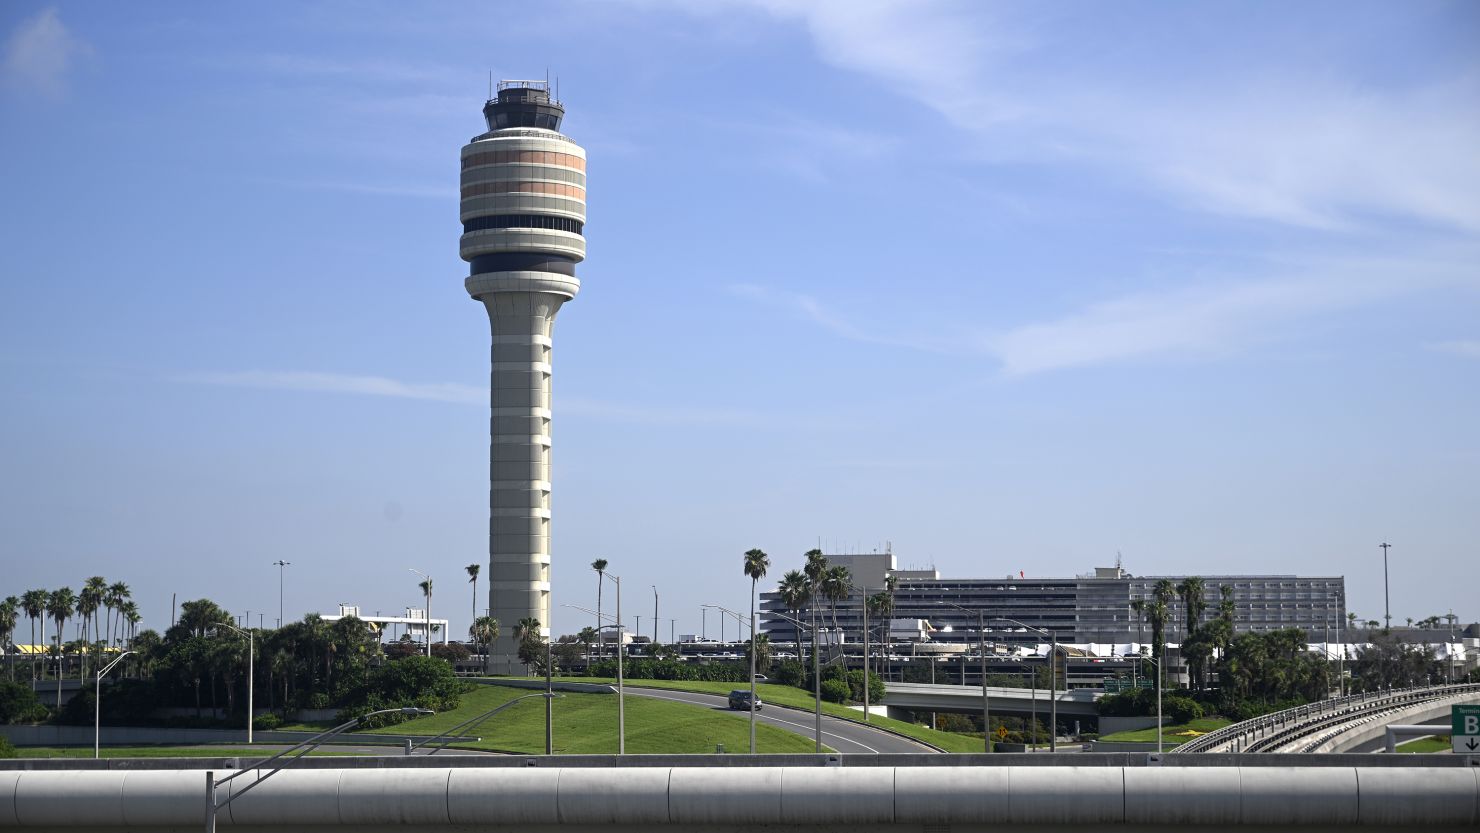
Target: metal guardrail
[{"x": 1268, "y": 731}]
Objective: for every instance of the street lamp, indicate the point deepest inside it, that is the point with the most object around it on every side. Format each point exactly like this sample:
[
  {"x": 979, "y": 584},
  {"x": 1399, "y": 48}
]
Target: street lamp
[
  {"x": 981, "y": 643},
  {"x": 98, "y": 702},
  {"x": 280, "y": 564},
  {"x": 1387, "y": 610},
  {"x": 621, "y": 692},
  {"x": 1053, "y": 688},
  {"x": 428, "y": 635},
  {"x": 656, "y": 640},
  {"x": 621, "y": 649},
  {"x": 738, "y": 619},
  {"x": 213, "y": 806},
  {"x": 863, "y": 595},
  {"x": 251, "y": 668},
  {"x": 816, "y": 679}
]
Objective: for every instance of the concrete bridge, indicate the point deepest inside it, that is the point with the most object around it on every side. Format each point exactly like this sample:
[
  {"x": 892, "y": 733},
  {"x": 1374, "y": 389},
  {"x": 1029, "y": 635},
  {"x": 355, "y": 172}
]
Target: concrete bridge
[
  {"x": 1018, "y": 702},
  {"x": 857, "y": 794}
]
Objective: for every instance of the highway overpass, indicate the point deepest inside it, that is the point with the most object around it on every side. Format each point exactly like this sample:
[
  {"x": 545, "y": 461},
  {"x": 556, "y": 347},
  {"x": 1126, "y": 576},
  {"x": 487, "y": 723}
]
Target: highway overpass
[{"x": 1018, "y": 702}]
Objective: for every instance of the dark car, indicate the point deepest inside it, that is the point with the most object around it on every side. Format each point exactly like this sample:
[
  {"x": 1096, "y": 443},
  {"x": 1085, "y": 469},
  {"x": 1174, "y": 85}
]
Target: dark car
[{"x": 740, "y": 701}]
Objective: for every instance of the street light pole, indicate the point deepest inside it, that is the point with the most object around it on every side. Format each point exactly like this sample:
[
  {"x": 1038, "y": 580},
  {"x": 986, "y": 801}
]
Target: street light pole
[
  {"x": 656, "y": 639},
  {"x": 621, "y": 691},
  {"x": 738, "y": 623},
  {"x": 98, "y": 702},
  {"x": 864, "y": 593},
  {"x": 280, "y": 564},
  {"x": 1053, "y": 686},
  {"x": 1387, "y": 610},
  {"x": 981, "y": 646},
  {"x": 428, "y": 612},
  {"x": 251, "y": 677},
  {"x": 816, "y": 677}
]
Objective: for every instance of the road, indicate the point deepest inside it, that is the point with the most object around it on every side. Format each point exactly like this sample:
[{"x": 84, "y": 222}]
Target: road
[{"x": 843, "y": 735}]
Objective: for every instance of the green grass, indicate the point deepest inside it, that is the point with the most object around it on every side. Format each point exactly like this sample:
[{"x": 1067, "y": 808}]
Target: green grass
[
  {"x": 587, "y": 724},
  {"x": 785, "y": 695},
  {"x": 1169, "y": 733},
  {"x": 1435, "y": 744},
  {"x": 150, "y": 752}
]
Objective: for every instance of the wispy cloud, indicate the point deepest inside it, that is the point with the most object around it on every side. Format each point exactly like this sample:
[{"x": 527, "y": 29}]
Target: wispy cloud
[
  {"x": 1469, "y": 348},
  {"x": 460, "y": 394},
  {"x": 40, "y": 53},
  {"x": 809, "y": 309},
  {"x": 1208, "y": 319},
  {"x": 341, "y": 383},
  {"x": 1280, "y": 144}
]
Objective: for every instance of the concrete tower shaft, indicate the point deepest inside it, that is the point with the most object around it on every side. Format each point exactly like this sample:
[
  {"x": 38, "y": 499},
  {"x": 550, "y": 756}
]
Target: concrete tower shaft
[{"x": 523, "y": 211}]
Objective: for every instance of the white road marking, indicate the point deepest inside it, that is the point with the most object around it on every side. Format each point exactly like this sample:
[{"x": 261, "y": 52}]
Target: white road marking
[{"x": 771, "y": 717}]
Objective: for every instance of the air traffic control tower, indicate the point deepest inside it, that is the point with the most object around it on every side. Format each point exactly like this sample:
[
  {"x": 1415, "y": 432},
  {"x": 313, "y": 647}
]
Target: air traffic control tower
[{"x": 523, "y": 208}]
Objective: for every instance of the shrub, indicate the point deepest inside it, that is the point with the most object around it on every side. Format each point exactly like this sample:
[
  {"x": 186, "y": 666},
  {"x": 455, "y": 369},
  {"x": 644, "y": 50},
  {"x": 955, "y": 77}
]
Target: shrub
[
  {"x": 7, "y": 749},
  {"x": 790, "y": 672},
  {"x": 421, "y": 681},
  {"x": 875, "y": 687},
  {"x": 318, "y": 700},
  {"x": 834, "y": 691},
  {"x": 1180, "y": 709},
  {"x": 266, "y": 722},
  {"x": 19, "y": 704},
  {"x": 451, "y": 651}
]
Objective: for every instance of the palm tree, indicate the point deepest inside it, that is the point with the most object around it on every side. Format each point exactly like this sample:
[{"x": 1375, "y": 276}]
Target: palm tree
[
  {"x": 836, "y": 583},
  {"x": 33, "y": 603},
  {"x": 484, "y": 631},
  {"x": 118, "y": 594},
  {"x": 587, "y": 637},
  {"x": 426, "y": 591},
  {"x": 9, "y": 610},
  {"x": 473, "y": 570},
  {"x": 88, "y": 602},
  {"x": 1191, "y": 590},
  {"x": 795, "y": 592},
  {"x": 599, "y": 565},
  {"x": 527, "y": 627},
  {"x": 881, "y": 607},
  {"x": 756, "y": 564},
  {"x": 59, "y": 606},
  {"x": 815, "y": 568}
]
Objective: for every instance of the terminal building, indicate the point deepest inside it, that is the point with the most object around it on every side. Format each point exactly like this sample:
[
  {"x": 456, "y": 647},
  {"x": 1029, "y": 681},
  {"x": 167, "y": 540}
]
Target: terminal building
[{"x": 1090, "y": 609}]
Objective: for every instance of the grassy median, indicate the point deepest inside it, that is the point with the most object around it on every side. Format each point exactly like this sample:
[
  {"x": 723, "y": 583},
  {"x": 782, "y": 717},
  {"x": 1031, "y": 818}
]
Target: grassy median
[
  {"x": 785, "y": 695},
  {"x": 587, "y": 724}
]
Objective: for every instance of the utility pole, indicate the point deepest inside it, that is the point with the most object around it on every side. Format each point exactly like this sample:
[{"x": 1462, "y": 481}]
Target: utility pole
[
  {"x": 1387, "y": 610},
  {"x": 656, "y": 620}
]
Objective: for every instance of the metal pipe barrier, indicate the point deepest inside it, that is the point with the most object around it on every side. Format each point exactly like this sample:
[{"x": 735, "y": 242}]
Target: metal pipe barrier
[{"x": 698, "y": 798}]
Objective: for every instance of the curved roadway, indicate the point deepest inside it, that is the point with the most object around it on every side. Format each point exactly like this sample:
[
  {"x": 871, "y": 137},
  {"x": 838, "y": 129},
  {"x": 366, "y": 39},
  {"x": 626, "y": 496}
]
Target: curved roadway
[{"x": 845, "y": 736}]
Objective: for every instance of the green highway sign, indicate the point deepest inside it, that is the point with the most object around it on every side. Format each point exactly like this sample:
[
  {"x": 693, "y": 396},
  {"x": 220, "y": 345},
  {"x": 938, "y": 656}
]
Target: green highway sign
[{"x": 1466, "y": 729}]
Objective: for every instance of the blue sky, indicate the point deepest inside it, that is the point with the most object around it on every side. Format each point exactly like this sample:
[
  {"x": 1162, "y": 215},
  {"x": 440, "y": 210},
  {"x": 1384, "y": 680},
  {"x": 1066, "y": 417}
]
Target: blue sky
[{"x": 1011, "y": 286}]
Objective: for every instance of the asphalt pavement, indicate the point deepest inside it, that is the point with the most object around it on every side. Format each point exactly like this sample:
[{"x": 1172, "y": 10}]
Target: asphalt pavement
[{"x": 845, "y": 736}]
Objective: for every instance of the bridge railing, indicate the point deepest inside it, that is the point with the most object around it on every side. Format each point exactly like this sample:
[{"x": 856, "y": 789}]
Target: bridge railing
[{"x": 1250, "y": 735}]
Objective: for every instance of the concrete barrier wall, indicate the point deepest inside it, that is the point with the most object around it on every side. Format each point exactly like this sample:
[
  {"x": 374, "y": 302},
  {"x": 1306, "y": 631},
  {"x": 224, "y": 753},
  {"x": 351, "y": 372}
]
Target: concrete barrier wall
[
  {"x": 702, "y": 798},
  {"x": 155, "y": 736},
  {"x": 1110, "y": 725}
]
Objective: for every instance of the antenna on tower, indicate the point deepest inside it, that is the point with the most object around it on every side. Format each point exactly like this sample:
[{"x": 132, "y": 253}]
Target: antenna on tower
[{"x": 490, "y": 85}]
